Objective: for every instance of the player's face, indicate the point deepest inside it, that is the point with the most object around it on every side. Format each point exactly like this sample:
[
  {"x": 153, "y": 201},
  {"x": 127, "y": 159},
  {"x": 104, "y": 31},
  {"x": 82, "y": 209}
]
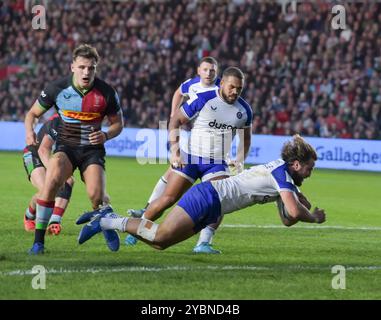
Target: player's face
[
  {"x": 231, "y": 88},
  {"x": 84, "y": 72},
  {"x": 302, "y": 171},
  {"x": 207, "y": 73}
]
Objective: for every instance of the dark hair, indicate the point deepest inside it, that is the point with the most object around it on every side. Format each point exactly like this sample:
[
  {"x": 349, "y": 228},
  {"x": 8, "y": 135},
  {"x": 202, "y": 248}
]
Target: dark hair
[
  {"x": 86, "y": 51},
  {"x": 298, "y": 149},
  {"x": 210, "y": 60},
  {"x": 233, "y": 72}
]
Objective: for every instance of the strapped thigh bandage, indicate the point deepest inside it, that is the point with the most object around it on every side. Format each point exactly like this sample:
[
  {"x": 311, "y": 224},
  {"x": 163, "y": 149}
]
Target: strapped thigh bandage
[{"x": 147, "y": 229}]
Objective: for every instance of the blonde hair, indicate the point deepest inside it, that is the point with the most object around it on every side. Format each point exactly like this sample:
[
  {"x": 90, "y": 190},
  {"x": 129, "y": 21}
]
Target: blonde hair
[{"x": 298, "y": 149}]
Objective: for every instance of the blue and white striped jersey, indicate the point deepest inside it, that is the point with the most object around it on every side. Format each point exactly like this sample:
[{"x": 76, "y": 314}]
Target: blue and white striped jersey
[{"x": 256, "y": 185}]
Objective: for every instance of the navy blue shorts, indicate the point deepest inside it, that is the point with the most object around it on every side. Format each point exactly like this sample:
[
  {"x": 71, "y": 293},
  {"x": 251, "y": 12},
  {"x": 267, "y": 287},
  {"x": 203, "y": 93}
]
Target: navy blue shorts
[
  {"x": 202, "y": 204},
  {"x": 200, "y": 168},
  {"x": 82, "y": 157}
]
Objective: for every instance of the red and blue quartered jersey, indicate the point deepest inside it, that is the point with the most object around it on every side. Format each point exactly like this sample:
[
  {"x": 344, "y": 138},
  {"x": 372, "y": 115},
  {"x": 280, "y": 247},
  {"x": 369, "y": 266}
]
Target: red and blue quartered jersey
[{"x": 80, "y": 114}]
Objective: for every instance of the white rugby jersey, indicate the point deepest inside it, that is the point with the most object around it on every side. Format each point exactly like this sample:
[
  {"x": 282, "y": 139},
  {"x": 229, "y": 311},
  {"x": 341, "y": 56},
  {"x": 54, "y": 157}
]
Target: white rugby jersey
[
  {"x": 257, "y": 185},
  {"x": 193, "y": 86},
  {"x": 188, "y": 88},
  {"x": 214, "y": 123}
]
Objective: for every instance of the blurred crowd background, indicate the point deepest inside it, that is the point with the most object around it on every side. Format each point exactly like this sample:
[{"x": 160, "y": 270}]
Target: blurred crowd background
[{"x": 302, "y": 76}]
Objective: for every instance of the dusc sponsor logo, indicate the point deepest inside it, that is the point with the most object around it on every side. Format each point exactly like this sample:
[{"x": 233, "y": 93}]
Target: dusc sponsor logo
[{"x": 216, "y": 125}]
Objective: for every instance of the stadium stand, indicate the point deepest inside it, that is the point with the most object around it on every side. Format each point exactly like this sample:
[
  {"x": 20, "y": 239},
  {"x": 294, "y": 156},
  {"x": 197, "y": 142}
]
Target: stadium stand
[{"x": 302, "y": 75}]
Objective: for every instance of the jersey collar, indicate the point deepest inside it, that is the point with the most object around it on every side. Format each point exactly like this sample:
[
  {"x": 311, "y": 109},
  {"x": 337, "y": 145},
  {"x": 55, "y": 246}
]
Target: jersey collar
[{"x": 83, "y": 92}]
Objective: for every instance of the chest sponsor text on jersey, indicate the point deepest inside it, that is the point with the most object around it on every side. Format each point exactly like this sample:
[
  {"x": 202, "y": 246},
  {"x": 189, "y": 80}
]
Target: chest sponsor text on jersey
[
  {"x": 84, "y": 116},
  {"x": 216, "y": 125}
]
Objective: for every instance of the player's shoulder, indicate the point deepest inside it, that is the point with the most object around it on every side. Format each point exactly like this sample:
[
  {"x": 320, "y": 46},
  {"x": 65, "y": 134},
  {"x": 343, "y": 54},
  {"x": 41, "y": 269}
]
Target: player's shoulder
[
  {"x": 191, "y": 81},
  {"x": 245, "y": 105},
  {"x": 279, "y": 170},
  {"x": 207, "y": 95},
  {"x": 202, "y": 98},
  {"x": 279, "y": 165},
  {"x": 62, "y": 82},
  {"x": 52, "y": 90},
  {"x": 58, "y": 85},
  {"x": 103, "y": 86}
]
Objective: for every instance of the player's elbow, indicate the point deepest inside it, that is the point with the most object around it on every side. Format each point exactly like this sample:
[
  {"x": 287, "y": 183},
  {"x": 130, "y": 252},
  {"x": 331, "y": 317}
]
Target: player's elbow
[{"x": 287, "y": 222}]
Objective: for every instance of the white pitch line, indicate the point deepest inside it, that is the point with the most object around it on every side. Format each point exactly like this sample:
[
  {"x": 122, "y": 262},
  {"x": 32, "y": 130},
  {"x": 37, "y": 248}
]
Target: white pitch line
[
  {"x": 274, "y": 226},
  {"x": 187, "y": 269}
]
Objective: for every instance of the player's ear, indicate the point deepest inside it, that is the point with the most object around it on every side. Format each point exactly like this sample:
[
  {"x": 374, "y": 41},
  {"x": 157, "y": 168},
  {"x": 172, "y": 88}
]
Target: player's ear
[
  {"x": 296, "y": 165},
  {"x": 72, "y": 67}
]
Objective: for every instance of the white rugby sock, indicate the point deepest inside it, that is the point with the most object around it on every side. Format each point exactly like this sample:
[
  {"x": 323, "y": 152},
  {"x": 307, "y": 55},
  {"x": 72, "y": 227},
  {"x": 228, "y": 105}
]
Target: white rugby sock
[
  {"x": 158, "y": 190},
  {"x": 206, "y": 235},
  {"x": 114, "y": 223}
]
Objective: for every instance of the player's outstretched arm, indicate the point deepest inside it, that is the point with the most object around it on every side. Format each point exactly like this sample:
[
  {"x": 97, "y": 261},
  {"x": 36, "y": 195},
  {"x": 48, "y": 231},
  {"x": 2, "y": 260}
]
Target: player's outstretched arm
[
  {"x": 303, "y": 200},
  {"x": 298, "y": 212}
]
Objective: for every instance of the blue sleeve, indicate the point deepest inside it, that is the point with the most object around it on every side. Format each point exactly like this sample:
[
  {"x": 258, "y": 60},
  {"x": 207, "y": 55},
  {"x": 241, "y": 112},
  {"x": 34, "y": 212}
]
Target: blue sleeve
[
  {"x": 249, "y": 112},
  {"x": 192, "y": 107},
  {"x": 280, "y": 176}
]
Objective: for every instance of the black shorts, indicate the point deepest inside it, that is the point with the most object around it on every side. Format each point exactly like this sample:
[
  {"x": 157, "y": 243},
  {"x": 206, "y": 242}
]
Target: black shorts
[
  {"x": 31, "y": 159},
  {"x": 82, "y": 157}
]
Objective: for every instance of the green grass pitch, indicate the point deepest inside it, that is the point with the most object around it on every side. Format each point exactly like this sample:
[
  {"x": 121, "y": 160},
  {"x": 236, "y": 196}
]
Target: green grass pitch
[{"x": 260, "y": 260}]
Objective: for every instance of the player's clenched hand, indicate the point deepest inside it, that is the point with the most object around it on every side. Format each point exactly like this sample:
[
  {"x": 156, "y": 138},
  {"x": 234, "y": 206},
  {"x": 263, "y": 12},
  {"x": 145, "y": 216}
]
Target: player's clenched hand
[
  {"x": 97, "y": 137},
  {"x": 235, "y": 166},
  {"x": 31, "y": 139},
  {"x": 319, "y": 215}
]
